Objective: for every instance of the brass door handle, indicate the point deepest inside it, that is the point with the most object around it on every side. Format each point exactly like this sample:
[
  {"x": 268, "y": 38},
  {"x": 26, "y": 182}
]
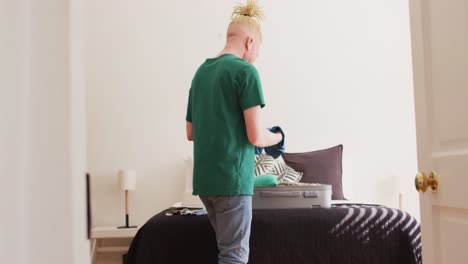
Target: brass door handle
[{"x": 421, "y": 181}]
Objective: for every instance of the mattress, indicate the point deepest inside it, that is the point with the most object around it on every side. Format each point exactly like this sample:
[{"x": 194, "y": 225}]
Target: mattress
[{"x": 344, "y": 234}]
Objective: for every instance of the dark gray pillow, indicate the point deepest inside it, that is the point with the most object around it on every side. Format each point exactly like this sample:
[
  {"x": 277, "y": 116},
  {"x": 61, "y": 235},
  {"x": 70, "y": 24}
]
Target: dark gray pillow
[{"x": 320, "y": 166}]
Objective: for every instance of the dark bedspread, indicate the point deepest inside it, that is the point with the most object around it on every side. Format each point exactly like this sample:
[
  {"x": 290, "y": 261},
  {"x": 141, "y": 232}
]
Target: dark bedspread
[{"x": 357, "y": 234}]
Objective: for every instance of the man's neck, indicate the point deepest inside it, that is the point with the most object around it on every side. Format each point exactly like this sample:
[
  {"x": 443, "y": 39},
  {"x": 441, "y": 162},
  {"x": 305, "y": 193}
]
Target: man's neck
[
  {"x": 234, "y": 52},
  {"x": 234, "y": 45}
]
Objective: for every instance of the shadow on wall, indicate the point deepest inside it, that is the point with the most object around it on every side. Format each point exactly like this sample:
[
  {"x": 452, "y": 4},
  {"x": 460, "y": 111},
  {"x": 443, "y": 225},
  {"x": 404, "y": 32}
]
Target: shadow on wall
[{"x": 106, "y": 199}]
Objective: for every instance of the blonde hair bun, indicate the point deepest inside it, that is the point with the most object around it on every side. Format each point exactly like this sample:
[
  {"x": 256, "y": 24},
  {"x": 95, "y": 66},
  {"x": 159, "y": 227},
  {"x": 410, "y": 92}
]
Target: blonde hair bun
[{"x": 250, "y": 9}]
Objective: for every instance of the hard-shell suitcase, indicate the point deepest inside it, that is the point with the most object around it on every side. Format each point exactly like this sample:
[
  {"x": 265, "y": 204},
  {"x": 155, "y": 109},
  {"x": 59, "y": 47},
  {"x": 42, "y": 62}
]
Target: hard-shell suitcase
[{"x": 292, "y": 195}]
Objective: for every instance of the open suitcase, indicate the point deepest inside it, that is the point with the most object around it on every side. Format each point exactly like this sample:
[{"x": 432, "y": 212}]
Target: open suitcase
[{"x": 292, "y": 195}]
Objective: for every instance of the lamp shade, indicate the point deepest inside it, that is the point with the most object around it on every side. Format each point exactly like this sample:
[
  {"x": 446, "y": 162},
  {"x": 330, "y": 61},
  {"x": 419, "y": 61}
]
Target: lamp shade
[{"x": 127, "y": 179}]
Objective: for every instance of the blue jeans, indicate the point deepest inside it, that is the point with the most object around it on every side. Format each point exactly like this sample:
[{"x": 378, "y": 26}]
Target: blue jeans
[{"x": 231, "y": 217}]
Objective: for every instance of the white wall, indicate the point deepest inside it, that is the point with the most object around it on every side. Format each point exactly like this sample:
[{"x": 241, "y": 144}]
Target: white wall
[
  {"x": 77, "y": 132},
  {"x": 334, "y": 72},
  {"x": 42, "y": 133},
  {"x": 13, "y": 135}
]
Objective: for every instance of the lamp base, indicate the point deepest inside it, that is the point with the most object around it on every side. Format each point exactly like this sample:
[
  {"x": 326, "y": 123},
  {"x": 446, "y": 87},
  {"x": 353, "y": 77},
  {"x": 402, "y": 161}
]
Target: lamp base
[
  {"x": 122, "y": 227},
  {"x": 126, "y": 223}
]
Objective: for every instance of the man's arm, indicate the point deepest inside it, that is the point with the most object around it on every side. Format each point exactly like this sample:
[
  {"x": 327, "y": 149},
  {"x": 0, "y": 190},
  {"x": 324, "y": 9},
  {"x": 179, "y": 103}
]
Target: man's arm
[
  {"x": 256, "y": 133},
  {"x": 189, "y": 131}
]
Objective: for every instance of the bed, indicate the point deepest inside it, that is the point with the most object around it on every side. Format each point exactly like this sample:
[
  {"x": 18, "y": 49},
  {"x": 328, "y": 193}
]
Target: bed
[{"x": 346, "y": 233}]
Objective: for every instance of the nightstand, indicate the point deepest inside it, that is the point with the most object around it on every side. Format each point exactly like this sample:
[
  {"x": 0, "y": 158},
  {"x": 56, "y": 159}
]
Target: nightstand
[{"x": 99, "y": 234}]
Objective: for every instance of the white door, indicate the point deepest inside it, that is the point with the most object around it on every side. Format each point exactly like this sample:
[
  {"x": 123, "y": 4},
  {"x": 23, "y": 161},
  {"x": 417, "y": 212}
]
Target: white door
[{"x": 439, "y": 31}]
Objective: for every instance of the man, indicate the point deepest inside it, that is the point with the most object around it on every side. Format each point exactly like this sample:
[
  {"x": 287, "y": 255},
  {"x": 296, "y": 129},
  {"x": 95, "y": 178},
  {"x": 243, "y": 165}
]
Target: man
[{"x": 223, "y": 120}]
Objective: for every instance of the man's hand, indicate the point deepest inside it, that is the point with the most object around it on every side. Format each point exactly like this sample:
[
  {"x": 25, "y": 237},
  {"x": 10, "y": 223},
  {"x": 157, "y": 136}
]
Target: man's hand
[
  {"x": 280, "y": 136},
  {"x": 189, "y": 131}
]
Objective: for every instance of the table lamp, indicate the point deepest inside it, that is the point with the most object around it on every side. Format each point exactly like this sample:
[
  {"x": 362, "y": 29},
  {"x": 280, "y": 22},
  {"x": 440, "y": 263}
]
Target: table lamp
[{"x": 127, "y": 181}]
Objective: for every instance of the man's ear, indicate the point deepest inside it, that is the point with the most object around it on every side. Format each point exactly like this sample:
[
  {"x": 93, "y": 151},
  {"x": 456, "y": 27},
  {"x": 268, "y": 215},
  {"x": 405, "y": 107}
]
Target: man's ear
[{"x": 249, "y": 43}]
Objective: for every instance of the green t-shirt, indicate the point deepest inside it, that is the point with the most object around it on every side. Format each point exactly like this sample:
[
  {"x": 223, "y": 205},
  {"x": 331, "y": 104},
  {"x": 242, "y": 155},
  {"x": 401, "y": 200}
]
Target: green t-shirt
[{"x": 221, "y": 90}]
